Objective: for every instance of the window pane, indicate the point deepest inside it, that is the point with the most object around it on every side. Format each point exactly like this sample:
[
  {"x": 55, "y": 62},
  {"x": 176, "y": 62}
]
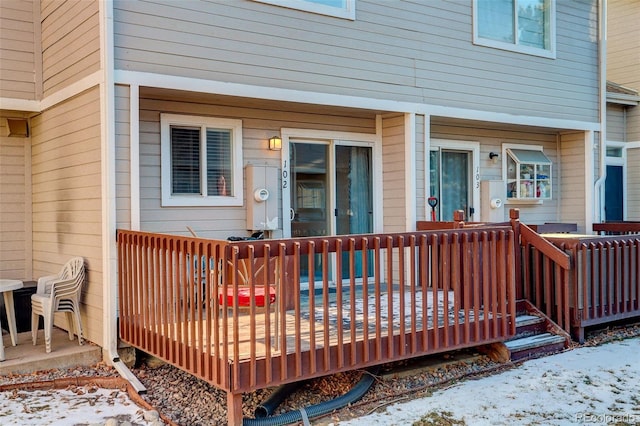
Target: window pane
[
  {"x": 495, "y": 20},
  {"x": 219, "y": 163},
  {"x": 614, "y": 152},
  {"x": 333, "y": 3},
  {"x": 185, "y": 160},
  {"x": 533, "y": 16}
]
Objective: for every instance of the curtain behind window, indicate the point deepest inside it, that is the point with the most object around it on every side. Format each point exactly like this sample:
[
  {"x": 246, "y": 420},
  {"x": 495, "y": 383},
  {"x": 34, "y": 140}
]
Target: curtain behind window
[{"x": 219, "y": 170}]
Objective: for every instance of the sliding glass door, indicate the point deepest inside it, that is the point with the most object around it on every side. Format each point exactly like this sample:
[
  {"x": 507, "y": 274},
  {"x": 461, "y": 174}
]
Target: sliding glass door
[{"x": 331, "y": 191}]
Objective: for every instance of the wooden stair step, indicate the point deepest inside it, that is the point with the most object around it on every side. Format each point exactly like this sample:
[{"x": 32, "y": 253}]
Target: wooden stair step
[
  {"x": 526, "y": 320},
  {"x": 538, "y": 341}
]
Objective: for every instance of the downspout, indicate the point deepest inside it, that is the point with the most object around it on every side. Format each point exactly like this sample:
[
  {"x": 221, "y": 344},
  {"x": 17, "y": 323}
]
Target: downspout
[
  {"x": 602, "y": 59},
  {"x": 109, "y": 252}
]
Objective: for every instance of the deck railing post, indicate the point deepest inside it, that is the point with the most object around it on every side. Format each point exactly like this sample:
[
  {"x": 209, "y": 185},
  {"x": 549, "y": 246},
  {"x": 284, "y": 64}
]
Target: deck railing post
[{"x": 514, "y": 218}]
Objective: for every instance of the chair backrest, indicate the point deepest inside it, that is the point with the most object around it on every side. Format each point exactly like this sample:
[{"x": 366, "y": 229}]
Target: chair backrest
[
  {"x": 71, "y": 279},
  {"x": 72, "y": 268}
]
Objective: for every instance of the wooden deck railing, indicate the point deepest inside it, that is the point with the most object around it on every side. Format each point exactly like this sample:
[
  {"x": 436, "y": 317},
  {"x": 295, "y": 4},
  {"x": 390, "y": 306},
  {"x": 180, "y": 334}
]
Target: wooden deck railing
[
  {"x": 542, "y": 270},
  {"x": 395, "y": 296},
  {"x": 605, "y": 283},
  {"x": 617, "y": 228},
  {"x": 545, "y": 276}
]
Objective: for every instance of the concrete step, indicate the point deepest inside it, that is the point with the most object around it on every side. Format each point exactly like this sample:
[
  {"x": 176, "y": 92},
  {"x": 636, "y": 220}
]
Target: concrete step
[{"x": 26, "y": 358}]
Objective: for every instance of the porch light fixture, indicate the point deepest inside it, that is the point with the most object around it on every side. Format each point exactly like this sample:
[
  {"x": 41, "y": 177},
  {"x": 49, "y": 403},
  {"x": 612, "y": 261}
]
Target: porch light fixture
[
  {"x": 275, "y": 143},
  {"x": 493, "y": 156}
]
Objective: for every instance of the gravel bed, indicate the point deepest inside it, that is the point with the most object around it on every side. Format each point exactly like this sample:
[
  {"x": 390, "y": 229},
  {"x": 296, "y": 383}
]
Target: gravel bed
[{"x": 186, "y": 400}]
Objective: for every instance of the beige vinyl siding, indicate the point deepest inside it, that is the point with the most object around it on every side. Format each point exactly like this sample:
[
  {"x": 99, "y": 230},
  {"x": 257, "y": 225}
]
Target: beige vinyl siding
[
  {"x": 123, "y": 156},
  {"x": 633, "y": 123},
  {"x": 421, "y": 169},
  {"x": 404, "y": 51},
  {"x": 616, "y": 123},
  {"x": 393, "y": 174},
  {"x": 70, "y": 42},
  {"x": 491, "y": 139},
  {"x": 17, "y": 49},
  {"x": 623, "y": 44},
  {"x": 633, "y": 184},
  {"x": 15, "y": 206},
  {"x": 572, "y": 180},
  {"x": 67, "y": 209},
  {"x": 260, "y": 121}
]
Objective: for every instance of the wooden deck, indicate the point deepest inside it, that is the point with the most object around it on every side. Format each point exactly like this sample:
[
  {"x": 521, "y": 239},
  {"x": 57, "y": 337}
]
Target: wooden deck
[
  {"x": 310, "y": 331},
  {"x": 451, "y": 289},
  {"x": 455, "y": 285}
]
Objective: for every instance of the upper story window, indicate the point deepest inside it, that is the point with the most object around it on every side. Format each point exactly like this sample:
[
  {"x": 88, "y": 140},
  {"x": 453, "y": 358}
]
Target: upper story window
[
  {"x": 526, "y": 26},
  {"x": 339, "y": 8},
  {"x": 201, "y": 161}
]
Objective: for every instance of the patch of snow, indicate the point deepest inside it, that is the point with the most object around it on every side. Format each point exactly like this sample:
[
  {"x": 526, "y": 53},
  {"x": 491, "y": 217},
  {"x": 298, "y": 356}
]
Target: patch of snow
[{"x": 588, "y": 385}]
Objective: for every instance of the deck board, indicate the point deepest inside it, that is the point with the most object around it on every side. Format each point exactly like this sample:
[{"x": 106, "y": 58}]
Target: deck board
[{"x": 300, "y": 335}]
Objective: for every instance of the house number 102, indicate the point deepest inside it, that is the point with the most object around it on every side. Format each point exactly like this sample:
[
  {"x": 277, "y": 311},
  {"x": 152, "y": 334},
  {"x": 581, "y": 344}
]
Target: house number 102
[{"x": 285, "y": 174}]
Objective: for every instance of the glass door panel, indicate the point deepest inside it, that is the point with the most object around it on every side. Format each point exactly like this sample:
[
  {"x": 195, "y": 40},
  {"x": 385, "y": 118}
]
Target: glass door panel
[
  {"x": 450, "y": 182},
  {"x": 354, "y": 197},
  {"x": 309, "y": 196}
]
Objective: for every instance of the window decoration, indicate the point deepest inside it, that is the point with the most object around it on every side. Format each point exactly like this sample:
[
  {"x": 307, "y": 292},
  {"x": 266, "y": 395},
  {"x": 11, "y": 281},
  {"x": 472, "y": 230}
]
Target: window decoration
[{"x": 528, "y": 175}]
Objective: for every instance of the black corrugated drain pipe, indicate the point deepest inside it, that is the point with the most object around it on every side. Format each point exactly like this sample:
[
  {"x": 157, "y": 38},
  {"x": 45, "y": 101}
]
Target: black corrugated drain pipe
[{"x": 306, "y": 413}]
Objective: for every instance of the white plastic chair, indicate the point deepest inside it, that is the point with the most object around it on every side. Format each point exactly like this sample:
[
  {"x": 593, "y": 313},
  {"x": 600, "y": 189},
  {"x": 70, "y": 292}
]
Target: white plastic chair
[{"x": 59, "y": 293}]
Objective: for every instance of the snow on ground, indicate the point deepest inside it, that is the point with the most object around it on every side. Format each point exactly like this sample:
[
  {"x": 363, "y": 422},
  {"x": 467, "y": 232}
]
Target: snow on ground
[
  {"x": 77, "y": 405},
  {"x": 588, "y": 385}
]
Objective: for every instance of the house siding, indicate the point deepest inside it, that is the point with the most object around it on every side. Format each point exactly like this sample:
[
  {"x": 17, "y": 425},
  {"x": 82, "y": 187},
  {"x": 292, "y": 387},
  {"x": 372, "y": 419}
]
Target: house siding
[
  {"x": 616, "y": 123},
  {"x": 15, "y": 206},
  {"x": 403, "y": 51},
  {"x": 70, "y": 42},
  {"x": 492, "y": 139},
  {"x": 123, "y": 157},
  {"x": 393, "y": 172},
  {"x": 633, "y": 189},
  {"x": 572, "y": 179},
  {"x": 17, "y": 49},
  {"x": 260, "y": 121},
  {"x": 623, "y": 43},
  {"x": 422, "y": 167},
  {"x": 67, "y": 206}
]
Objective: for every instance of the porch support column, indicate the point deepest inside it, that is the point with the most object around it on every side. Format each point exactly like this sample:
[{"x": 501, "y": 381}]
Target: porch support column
[
  {"x": 134, "y": 155},
  {"x": 234, "y": 409},
  {"x": 410, "y": 170},
  {"x": 427, "y": 164}
]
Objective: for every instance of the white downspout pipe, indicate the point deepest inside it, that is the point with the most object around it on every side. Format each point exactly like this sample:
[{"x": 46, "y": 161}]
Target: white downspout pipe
[
  {"x": 602, "y": 58},
  {"x": 109, "y": 252}
]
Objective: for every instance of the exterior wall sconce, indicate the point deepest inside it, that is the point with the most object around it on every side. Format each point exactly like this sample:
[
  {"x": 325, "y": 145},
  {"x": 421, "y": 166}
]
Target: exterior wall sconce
[
  {"x": 493, "y": 156},
  {"x": 275, "y": 143}
]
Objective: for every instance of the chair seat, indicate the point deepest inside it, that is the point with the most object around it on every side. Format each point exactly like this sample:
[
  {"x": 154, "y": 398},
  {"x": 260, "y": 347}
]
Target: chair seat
[{"x": 244, "y": 296}]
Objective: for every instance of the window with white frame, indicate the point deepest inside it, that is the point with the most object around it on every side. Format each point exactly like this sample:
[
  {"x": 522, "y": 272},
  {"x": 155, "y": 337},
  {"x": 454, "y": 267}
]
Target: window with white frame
[
  {"x": 201, "y": 161},
  {"x": 339, "y": 8},
  {"x": 527, "y": 172},
  {"x": 526, "y": 26}
]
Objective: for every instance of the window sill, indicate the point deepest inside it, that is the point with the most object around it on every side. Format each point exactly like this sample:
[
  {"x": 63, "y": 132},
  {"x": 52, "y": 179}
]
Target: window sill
[{"x": 526, "y": 201}]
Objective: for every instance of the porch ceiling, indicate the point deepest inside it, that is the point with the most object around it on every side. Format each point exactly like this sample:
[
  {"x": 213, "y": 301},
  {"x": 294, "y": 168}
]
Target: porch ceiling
[
  {"x": 495, "y": 126},
  {"x": 244, "y": 102}
]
